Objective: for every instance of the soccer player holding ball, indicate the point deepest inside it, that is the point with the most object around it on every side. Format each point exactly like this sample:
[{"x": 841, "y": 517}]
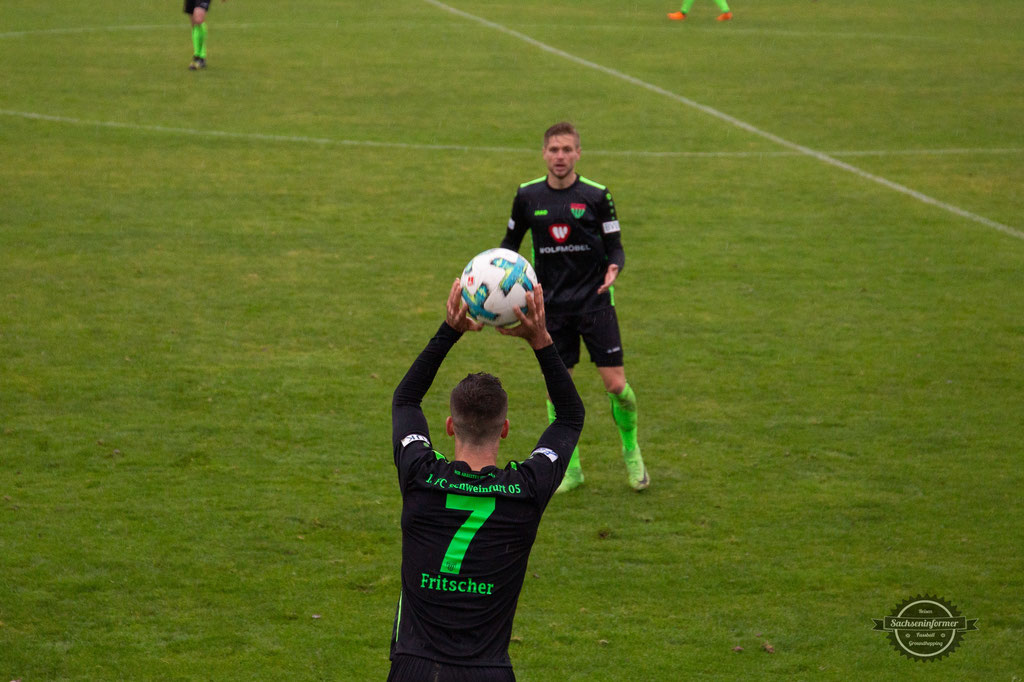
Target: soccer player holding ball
[
  {"x": 468, "y": 526},
  {"x": 577, "y": 256}
]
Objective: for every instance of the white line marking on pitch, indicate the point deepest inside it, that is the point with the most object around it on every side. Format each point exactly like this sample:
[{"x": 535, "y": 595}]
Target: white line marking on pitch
[
  {"x": 104, "y": 29},
  {"x": 731, "y": 32},
  {"x": 954, "y": 151},
  {"x": 735, "y": 31},
  {"x": 732, "y": 120},
  {"x": 83, "y": 29},
  {"x": 255, "y": 136},
  {"x": 269, "y": 137}
]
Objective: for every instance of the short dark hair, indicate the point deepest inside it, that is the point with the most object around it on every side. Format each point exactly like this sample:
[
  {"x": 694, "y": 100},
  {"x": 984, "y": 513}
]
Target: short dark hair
[
  {"x": 479, "y": 406},
  {"x": 563, "y": 128}
]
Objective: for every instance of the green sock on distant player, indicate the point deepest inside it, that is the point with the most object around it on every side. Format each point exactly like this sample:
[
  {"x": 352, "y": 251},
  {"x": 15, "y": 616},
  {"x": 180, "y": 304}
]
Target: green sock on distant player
[
  {"x": 687, "y": 4},
  {"x": 624, "y": 414},
  {"x": 574, "y": 461},
  {"x": 199, "y": 40}
]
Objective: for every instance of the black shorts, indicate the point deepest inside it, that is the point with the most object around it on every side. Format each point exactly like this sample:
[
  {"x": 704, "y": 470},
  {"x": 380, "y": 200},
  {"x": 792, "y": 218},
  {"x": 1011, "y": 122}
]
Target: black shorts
[
  {"x": 416, "y": 669},
  {"x": 190, "y": 5},
  {"x": 600, "y": 332}
]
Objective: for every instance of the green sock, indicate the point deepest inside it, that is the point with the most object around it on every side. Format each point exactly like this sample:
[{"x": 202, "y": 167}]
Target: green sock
[
  {"x": 624, "y": 413},
  {"x": 687, "y": 4},
  {"x": 199, "y": 40},
  {"x": 574, "y": 461}
]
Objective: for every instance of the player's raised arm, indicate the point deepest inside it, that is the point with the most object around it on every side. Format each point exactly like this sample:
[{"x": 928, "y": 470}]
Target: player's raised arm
[
  {"x": 568, "y": 424},
  {"x": 406, "y": 413}
]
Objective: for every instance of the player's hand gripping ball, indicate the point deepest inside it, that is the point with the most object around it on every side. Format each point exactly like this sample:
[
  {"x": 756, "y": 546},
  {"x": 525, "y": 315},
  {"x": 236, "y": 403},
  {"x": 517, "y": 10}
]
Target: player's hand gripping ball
[{"x": 494, "y": 284}]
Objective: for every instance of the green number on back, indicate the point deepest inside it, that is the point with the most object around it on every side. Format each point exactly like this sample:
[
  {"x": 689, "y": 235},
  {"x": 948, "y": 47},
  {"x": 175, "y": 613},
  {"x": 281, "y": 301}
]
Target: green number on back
[{"x": 479, "y": 508}]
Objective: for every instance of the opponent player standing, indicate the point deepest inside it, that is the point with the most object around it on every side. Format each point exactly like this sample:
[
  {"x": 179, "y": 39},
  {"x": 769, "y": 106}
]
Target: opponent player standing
[
  {"x": 467, "y": 526},
  {"x": 197, "y": 10},
  {"x": 578, "y": 254}
]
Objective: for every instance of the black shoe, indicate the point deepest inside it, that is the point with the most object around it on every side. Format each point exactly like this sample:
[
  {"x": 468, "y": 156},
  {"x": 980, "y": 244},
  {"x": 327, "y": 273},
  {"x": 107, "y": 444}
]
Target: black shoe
[{"x": 194, "y": 64}]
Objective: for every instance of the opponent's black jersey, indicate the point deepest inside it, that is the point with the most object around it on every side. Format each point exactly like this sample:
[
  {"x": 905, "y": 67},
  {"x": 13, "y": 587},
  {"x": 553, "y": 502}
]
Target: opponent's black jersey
[
  {"x": 467, "y": 535},
  {"x": 575, "y": 236}
]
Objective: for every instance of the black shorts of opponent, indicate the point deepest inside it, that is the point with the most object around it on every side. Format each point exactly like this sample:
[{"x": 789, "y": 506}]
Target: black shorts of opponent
[
  {"x": 190, "y": 5},
  {"x": 599, "y": 330}
]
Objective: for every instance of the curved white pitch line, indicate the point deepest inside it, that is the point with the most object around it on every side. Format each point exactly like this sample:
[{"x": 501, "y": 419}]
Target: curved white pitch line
[{"x": 735, "y": 122}]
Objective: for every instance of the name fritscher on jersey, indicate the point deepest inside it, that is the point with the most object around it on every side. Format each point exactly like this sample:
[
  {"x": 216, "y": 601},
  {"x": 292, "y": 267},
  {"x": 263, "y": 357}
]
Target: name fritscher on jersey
[
  {"x": 468, "y": 536},
  {"x": 576, "y": 235}
]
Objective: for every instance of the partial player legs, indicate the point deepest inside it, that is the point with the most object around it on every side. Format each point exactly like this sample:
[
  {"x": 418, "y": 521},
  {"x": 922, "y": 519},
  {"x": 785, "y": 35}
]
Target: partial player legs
[
  {"x": 574, "y": 474},
  {"x": 198, "y": 39},
  {"x": 624, "y": 413},
  {"x": 723, "y": 7}
]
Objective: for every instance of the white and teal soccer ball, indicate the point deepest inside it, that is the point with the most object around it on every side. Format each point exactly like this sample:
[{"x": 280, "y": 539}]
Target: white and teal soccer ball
[{"x": 494, "y": 284}]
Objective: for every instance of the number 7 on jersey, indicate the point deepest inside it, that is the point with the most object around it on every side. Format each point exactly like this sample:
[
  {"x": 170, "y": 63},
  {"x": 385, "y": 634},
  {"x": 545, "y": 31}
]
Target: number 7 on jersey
[{"x": 479, "y": 508}]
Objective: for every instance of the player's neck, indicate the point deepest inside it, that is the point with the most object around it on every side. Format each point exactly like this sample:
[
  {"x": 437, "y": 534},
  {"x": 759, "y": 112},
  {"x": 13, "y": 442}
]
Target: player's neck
[
  {"x": 555, "y": 182},
  {"x": 476, "y": 457}
]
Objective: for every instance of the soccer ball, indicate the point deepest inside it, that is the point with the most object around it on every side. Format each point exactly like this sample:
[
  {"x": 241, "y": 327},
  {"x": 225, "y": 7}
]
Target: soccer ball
[{"x": 494, "y": 284}]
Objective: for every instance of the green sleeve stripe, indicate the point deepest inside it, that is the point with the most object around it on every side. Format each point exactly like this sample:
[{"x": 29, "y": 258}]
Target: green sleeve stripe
[
  {"x": 534, "y": 182},
  {"x": 592, "y": 183},
  {"x": 398, "y": 618}
]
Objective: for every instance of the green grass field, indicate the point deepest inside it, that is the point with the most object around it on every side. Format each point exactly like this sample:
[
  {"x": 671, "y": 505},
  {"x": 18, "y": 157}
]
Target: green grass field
[{"x": 211, "y": 283}]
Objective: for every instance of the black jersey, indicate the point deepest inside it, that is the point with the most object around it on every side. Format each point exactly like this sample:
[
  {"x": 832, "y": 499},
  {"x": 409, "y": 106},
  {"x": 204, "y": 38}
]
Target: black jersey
[
  {"x": 575, "y": 237},
  {"x": 467, "y": 535}
]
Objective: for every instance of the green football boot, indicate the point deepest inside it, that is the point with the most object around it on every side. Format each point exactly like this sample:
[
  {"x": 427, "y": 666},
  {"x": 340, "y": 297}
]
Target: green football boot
[
  {"x": 639, "y": 479},
  {"x": 573, "y": 479}
]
